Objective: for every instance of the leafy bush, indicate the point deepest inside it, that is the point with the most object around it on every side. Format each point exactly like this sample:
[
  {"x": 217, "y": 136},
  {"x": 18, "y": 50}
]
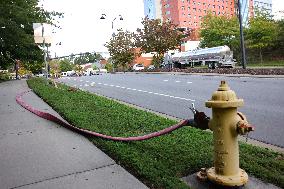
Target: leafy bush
[{"x": 5, "y": 76}]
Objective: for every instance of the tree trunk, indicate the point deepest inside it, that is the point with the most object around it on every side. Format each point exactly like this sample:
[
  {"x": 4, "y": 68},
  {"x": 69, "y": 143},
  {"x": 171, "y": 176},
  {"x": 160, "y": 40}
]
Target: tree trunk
[{"x": 260, "y": 56}]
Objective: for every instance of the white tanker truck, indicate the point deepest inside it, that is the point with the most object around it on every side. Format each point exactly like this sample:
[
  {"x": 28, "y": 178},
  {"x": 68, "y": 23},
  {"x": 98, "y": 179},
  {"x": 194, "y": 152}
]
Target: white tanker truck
[{"x": 220, "y": 56}]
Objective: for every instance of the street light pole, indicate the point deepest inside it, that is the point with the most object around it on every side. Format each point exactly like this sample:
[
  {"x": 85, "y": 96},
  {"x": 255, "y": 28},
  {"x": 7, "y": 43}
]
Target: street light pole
[
  {"x": 112, "y": 26},
  {"x": 43, "y": 44},
  {"x": 242, "y": 37}
]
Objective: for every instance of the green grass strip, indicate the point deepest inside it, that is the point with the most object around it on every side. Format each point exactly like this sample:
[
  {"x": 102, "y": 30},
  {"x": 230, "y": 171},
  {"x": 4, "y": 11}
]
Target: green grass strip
[{"x": 159, "y": 162}]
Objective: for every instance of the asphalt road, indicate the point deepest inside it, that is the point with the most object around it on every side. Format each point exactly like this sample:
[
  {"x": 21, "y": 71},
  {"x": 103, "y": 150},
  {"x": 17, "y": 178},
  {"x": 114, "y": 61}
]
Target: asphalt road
[{"x": 173, "y": 94}]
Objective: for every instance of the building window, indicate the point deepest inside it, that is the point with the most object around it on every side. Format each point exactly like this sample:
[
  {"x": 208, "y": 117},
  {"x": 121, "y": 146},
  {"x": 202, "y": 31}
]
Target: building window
[
  {"x": 182, "y": 7},
  {"x": 167, "y": 6},
  {"x": 214, "y": 6},
  {"x": 188, "y": 8},
  {"x": 182, "y": 1},
  {"x": 168, "y": 12}
]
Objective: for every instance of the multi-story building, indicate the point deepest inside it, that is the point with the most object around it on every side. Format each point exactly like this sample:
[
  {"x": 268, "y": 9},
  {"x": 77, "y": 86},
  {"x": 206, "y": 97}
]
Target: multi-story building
[
  {"x": 189, "y": 13},
  {"x": 263, "y": 5},
  {"x": 246, "y": 10},
  {"x": 152, "y": 9}
]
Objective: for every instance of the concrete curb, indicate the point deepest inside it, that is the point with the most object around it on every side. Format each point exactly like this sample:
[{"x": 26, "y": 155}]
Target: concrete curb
[{"x": 208, "y": 74}]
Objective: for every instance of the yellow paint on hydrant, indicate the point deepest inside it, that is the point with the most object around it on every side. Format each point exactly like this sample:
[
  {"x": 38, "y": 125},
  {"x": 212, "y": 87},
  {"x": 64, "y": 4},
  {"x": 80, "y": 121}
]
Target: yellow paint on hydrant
[{"x": 226, "y": 124}]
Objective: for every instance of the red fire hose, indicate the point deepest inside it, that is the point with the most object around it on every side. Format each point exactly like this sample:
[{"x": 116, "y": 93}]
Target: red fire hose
[{"x": 53, "y": 118}]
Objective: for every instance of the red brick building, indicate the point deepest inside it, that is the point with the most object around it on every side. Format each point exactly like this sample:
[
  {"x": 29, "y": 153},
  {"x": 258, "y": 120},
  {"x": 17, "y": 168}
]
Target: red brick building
[{"x": 188, "y": 14}]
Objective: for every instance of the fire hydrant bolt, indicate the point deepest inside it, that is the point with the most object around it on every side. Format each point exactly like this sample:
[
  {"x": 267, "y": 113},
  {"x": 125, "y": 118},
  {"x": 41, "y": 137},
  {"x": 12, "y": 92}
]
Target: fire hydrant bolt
[{"x": 226, "y": 124}]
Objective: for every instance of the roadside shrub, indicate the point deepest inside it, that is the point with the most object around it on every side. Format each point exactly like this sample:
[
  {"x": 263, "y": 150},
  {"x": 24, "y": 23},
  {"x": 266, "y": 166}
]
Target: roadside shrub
[{"x": 5, "y": 76}]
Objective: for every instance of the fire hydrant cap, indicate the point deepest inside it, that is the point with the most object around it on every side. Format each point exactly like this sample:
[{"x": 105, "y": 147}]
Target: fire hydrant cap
[{"x": 224, "y": 98}]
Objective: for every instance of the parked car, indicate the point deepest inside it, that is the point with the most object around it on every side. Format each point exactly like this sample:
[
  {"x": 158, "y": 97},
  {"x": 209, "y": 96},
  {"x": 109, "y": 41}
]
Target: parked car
[
  {"x": 151, "y": 67},
  {"x": 64, "y": 74},
  {"x": 138, "y": 67}
]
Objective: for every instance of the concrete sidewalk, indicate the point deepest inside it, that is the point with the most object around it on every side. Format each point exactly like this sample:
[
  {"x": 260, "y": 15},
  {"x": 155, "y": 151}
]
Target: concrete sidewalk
[{"x": 36, "y": 153}]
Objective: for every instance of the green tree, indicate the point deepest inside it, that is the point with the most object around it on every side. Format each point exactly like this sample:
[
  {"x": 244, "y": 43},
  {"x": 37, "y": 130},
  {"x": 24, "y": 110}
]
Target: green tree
[
  {"x": 16, "y": 30},
  {"x": 157, "y": 36},
  {"x": 55, "y": 67},
  {"x": 87, "y": 58},
  {"x": 262, "y": 33},
  {"x": 220, "y": 30},
  {"x": 33, "y": 66},
  {"x": 122, "y": 49},
  {"x": 65, "y": 65}
]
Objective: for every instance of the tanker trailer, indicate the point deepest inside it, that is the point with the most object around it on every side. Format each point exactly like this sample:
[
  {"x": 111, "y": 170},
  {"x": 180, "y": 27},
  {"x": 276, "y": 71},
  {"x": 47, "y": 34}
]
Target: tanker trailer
[{"x": 220, "y": 56}]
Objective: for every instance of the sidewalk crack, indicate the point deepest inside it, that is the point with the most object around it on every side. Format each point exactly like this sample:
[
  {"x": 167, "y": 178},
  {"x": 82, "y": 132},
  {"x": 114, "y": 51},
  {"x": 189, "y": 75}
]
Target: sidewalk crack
[{"x": 62, "y": 176}]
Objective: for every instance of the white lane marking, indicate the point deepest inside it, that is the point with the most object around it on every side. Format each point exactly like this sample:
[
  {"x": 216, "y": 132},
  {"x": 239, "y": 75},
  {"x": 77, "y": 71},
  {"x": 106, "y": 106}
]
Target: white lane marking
[
  {"x": 86, "y": 85},
  {"x": 177, "y": 81},
  {"x": 165, "y": 80},
  {"x": 75, "y": 85},
  {"x": 81, "y": 80},
  {"x": 139, "y": 90},
  {"x": 87, "y": 81},
  {"x": 189, "y": 82},
  {"x": 75, "y": 79},
  {"x": 81, "y": 85}
]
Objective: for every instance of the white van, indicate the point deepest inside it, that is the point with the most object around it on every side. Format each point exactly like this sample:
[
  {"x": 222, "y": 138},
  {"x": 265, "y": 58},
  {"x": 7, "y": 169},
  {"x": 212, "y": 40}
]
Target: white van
[{"x": 138, "y": 67}]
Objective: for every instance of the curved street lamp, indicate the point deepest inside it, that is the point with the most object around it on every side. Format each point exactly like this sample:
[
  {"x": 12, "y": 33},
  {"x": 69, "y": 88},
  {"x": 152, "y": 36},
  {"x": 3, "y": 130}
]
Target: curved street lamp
[{"x": 104, "y": 17}]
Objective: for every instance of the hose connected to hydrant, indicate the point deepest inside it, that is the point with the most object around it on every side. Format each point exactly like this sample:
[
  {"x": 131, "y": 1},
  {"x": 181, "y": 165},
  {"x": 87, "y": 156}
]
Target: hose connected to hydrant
[
  {"x": 226, "y": 123},
  {"x": 191, "y": 122}
]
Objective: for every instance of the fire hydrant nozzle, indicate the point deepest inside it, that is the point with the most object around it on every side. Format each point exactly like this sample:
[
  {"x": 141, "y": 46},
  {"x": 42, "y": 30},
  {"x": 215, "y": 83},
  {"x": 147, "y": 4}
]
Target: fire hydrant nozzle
[
  {"x": 244, "y": 127},
  {"x": 226, "y": 124}
]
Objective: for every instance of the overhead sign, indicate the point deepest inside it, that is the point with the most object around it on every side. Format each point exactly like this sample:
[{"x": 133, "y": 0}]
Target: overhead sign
[{"x": 42, "y": 33}]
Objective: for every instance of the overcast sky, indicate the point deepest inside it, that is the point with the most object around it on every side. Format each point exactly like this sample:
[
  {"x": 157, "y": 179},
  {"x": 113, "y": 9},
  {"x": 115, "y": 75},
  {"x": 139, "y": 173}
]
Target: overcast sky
[{"x": 84, "y": 31}]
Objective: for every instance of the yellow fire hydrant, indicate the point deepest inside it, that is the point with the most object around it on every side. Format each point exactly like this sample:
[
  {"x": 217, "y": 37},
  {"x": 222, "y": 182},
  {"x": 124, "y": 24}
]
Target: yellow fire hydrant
[{"x": 226, "y": 124}]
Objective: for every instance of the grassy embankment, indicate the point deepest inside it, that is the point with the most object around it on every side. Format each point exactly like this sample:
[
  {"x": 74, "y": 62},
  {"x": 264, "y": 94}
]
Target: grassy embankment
[{"x": 159, "y": 162}]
